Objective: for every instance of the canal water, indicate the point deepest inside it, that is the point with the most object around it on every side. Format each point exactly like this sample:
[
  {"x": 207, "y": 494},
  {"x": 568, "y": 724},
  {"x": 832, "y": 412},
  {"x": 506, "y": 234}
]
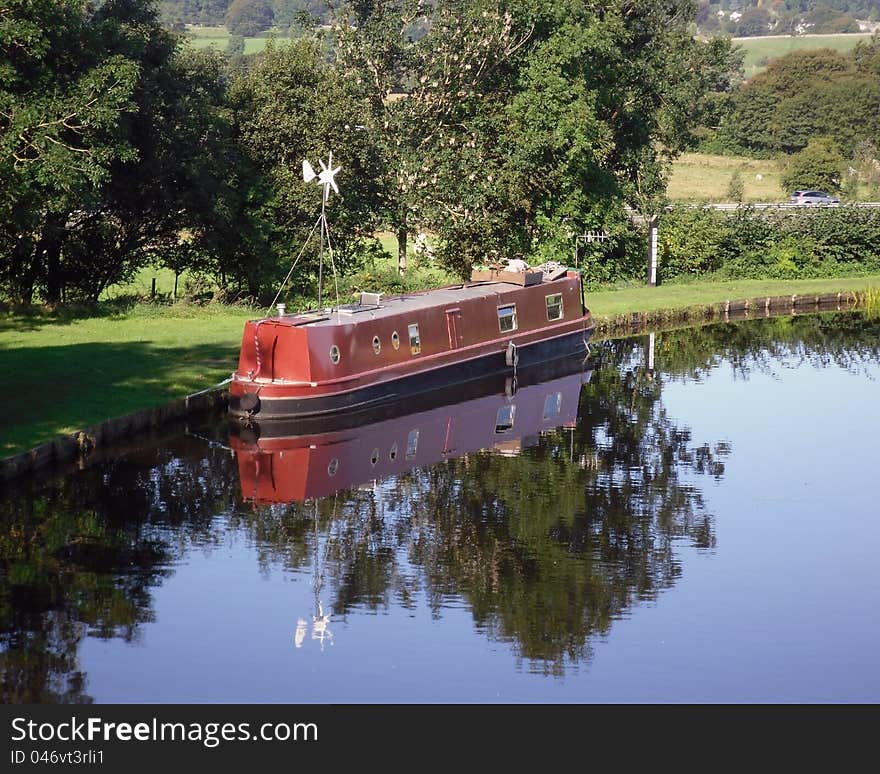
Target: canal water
[{"x": 690, "y": 516}]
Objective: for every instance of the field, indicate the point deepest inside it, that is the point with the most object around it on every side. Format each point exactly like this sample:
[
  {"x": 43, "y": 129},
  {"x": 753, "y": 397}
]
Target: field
[
  {"x": 705, "y": 178},
  {"x": 218, "y": 37},
  {"x": 759, "y": 51}
]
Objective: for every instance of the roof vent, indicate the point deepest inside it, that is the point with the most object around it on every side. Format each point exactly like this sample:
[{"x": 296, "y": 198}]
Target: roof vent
[{"x": 370, "y": 299}]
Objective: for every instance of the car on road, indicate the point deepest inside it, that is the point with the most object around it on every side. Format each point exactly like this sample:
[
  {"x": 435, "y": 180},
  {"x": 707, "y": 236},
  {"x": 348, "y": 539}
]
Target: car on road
[{"x": 812, "y": 197}]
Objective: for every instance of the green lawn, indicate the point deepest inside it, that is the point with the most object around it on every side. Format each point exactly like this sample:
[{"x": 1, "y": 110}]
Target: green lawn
[
  {"x": 68, "y": 374},
  {"x": 218, "y": 37}
]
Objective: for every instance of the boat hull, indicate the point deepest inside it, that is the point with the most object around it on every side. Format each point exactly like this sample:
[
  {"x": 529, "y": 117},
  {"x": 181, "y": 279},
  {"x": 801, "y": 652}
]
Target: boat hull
[{"x": 269, "y": 401}]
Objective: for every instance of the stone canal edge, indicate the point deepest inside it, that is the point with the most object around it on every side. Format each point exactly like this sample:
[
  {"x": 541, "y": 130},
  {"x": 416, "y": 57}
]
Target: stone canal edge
[{"x": 78, "y": 445}]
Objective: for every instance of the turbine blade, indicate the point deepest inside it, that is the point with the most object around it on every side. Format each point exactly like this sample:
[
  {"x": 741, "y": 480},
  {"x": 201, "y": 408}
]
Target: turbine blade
[{"x": 309, "y": 174}]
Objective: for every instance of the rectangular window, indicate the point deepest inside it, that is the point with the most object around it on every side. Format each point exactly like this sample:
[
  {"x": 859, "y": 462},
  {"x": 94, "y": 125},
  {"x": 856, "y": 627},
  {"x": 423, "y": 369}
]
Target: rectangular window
[
  {"x": 507, "y": 318},
  {"x": 552, "y": 405},
  {"x": 554, "y": 306},
  {"x": 415, "y": 343},
  {"x": 504, "y": 418},
  {"x": 412, "y": 444}
]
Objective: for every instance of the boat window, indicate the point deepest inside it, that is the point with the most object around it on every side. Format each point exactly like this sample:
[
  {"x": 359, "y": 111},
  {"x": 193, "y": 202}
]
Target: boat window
[
  {"x": 507, "y": 318},
  {"x": 392, "y": 455},
  {"x": 395, "y": 340},
  {"x": 504, "y": 418},
  {"x": 333, "y": 467},
  {"x": 552, "y": 405},
  {"x": 412, "y": 444},
  {"x": 554, "y": 306},
  {"x": 415, "y": 343},
  {"x": 375, "y": 457},
  {"x": 377, "y": 345},
  {"x": 334, "y": 354}
]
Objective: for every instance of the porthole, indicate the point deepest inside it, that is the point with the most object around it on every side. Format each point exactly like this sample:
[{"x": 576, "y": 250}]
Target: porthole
[
  {"x": 334, "y": 354},
  {"x": 377, "y": 345},
  {"x": 333, "y": 467},
  {"x": 375, "y": 457},
  {"x": 395, "y": 340},
  {"x": 392, "y": 455}
]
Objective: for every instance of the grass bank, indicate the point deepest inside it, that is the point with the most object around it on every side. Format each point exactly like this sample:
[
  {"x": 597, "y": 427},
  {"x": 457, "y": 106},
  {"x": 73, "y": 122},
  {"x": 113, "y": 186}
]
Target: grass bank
[
  {"x": 62, "y": 372},
  {"x": 607, "y": 304}
]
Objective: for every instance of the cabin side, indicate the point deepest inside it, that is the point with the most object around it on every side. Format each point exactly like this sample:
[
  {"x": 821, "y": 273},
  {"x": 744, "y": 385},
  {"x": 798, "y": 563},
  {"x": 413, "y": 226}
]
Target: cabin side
[
  {"x": 373, "y": 341},
  {"x": 397, "y": 332}
]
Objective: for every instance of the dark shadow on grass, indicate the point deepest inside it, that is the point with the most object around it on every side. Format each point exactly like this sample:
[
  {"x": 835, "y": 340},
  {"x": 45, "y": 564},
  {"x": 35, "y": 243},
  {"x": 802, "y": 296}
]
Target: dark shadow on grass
[
  {"x": 51, "y": 390},
  {"x": 35, "y": 318}
]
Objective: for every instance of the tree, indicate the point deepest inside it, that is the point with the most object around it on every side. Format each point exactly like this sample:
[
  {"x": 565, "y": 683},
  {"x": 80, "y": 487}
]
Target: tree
[
  {"x": 735, "y": 186},
  {"x": 63, "y": 98},
  {"x": 249, "y": 17},
  {"x": 802, "y": 95},
  {"x": 289, "y": 106},
  {"x": 602, "y": 100},
  {"x": 754, "y": 21},
  {"x": 112, "y": 143},
  {"x": 426, "y": 73},
  {"x": 514, "y": 119},
  {"x": 819, "y": 165}
]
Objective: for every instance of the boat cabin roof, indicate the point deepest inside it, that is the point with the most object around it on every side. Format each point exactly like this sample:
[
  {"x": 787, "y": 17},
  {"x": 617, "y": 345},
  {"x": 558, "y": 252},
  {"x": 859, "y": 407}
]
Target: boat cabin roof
[{"x": 373, "y": 305}]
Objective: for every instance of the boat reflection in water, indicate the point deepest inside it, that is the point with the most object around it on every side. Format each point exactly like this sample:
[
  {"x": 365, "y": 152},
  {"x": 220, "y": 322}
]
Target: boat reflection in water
[
  {"x": 300, "y": 460},
  {"x": 281, "y": 462}
]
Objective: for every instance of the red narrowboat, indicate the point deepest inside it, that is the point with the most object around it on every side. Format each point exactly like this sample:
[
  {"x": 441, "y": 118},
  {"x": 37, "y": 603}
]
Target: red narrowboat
[
  {"x": 387, "y": 349},
  {"x": 306, "y": 460}
]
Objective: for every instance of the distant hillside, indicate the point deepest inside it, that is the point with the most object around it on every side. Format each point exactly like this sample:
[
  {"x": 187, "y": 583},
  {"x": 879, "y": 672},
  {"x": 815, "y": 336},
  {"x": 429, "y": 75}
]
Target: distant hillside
[
  {"x": 750, "y": 18},
  {"x": 266, "y": 13}
]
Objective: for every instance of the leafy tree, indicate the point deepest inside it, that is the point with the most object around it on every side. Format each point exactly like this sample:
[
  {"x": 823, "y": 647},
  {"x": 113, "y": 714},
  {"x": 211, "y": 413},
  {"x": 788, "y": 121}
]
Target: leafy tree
[
  {"x": 802, "y": 95},
  {"x": 754, "y": 21},
  {"x": 289, "y": 106},
  {"x": 516, "y": 120},
  {"x": 819, "y": 165},
  {"x": 112, "y": 144},
  {"x": 735, "y": 186},
  {"x": 63, "y": 96},
  {"x": 432, "y": 77},
  {"x": 604, "y": 99}
]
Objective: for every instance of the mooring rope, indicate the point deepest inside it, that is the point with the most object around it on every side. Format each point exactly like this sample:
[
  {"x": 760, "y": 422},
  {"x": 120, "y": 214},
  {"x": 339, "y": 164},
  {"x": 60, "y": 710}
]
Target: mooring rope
[{"x": 209, "y": 389}]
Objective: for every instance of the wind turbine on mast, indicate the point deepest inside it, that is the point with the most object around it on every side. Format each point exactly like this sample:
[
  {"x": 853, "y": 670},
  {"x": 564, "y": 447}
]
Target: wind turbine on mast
[{"x": 326, "y": 177}]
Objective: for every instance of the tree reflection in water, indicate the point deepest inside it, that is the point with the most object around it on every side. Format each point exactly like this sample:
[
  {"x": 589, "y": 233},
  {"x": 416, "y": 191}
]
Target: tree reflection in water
[{"x": 546, "y": 547}]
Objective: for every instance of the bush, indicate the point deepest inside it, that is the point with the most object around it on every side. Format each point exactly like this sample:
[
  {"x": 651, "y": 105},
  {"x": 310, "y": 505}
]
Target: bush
[
  {"x": 769, "y": 244},
  {"x": 736, "y": 187}
]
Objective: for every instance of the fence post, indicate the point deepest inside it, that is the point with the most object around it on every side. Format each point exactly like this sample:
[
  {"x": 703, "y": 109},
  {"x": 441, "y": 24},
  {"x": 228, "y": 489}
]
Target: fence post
[{"x": 652, "y": 249}]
